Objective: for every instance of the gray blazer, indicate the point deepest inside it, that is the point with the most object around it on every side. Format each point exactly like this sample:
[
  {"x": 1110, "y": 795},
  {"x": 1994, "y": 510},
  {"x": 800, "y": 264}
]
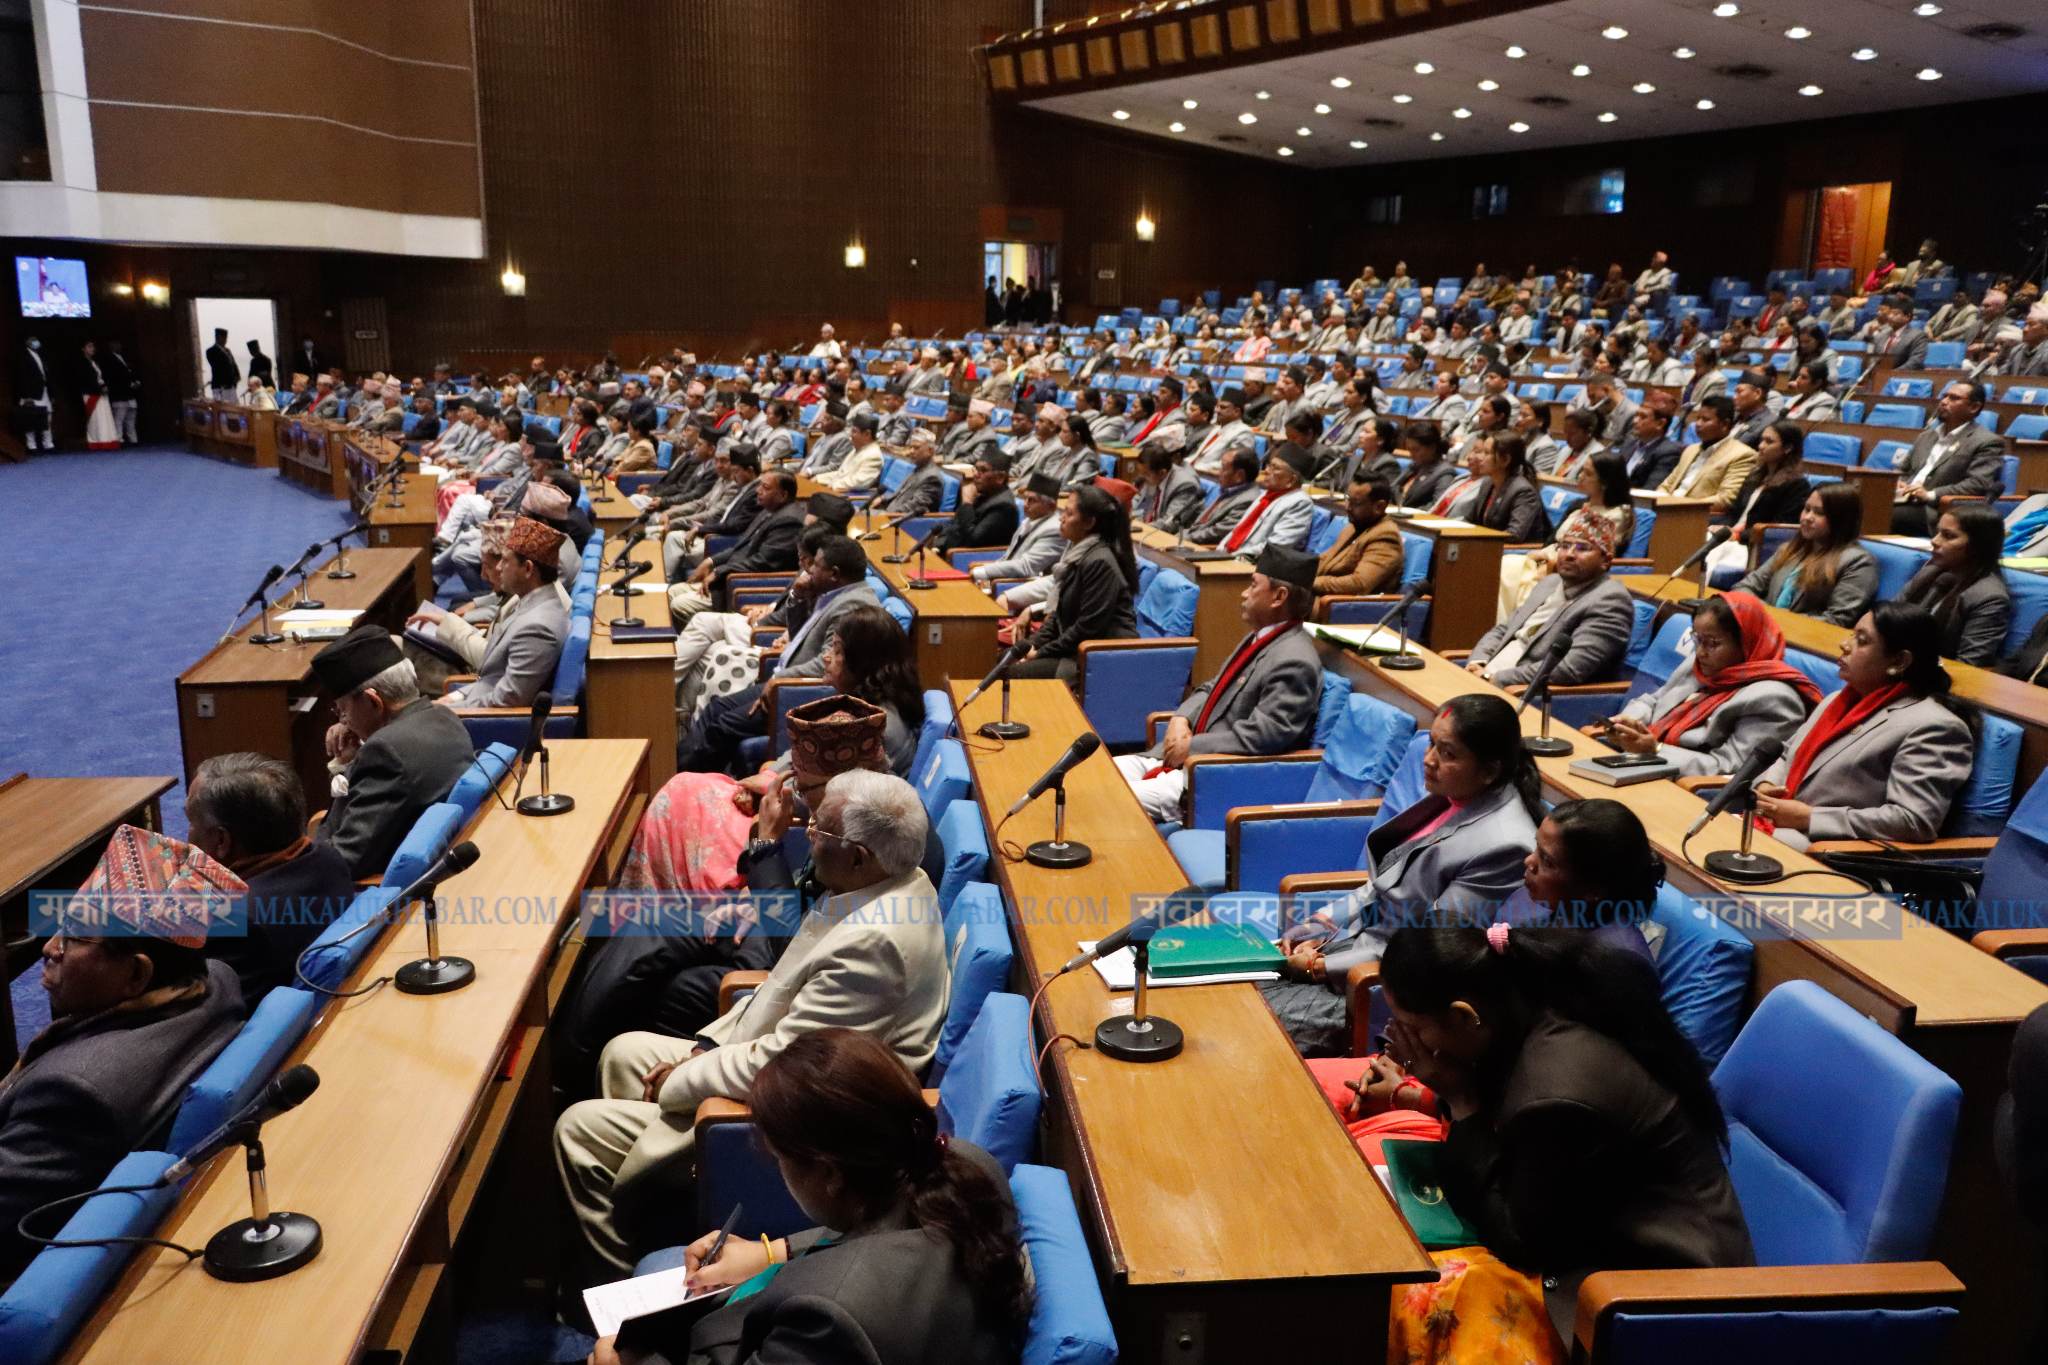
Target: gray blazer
[
  {"x": 1892, "y": 777},
  {"x": 405, "y": 767},
  {"x": 921, "y": 491},
  {"x": 1033, "y": 549},
  {"x": 1220, "y": 517},
  {"x": 521, "y": 654},
  {"x": 804, "y": 655},
  {"x": 1737, "y": 728},
  {"x": 1973, "y": 630},
  {"x": 1270, "y": 706},
  {"x": 1974, "y": 468},
  {"x": 1174, "y": 503},
  {"x": 1855, "y": 588},
  {"x": 1598, "y": 623},
  {"x": 1286, "y": 521}
]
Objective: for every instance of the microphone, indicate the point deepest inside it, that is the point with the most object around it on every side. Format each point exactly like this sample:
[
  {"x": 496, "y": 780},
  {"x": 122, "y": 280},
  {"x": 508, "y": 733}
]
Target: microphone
[
  {"x": 455, "y": 859},
  {"x": 1739, "y": 785},
  {"x": 340, "y": 543},
  {"x": 288, "y": 1091},
  {"x": 304, "y": 574},
  {"x": 1176, "y": 909},
  {"x": 876, "y": 532},
  {"x": 1540, "y": 684},
  {"x": 1141, "y": 1036},
  {"x": 270, "y": 576},
  {"x": 629, "y": 572},
  {"x": 1084, "y": 744},
  {"x": 265, "y": 635},
  {"x": 544, "y": 802},
  {"x": 435, "y": 974},
  {"x": 1713, "y": 542},
  {"x": 1010, "y": 656},
  {"x": 543, "y": 707},
  {"x": 1403, "y": 660}
]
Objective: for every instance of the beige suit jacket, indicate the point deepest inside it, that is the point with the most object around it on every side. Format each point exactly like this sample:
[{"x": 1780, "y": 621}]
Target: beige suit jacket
[{"x": 1722, "y": 471}]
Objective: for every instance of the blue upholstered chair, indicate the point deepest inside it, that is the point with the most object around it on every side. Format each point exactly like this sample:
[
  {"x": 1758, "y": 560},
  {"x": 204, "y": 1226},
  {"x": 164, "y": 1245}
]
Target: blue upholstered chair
[
  {"x": 244, "y": 1066},
  {"x": 509, "y": 724},
  {"x": 427, "y": 840},
  {"x": 1839, "y": 1137},
  {"x": 979, "y": 951},
  {"x": 491, "y": 764},
  {"x": 966, "y": 848},
  {"x": 1345, "y": 610},
  {"x": 989, "y": 1094},
  {"x": 1123, "y": 681},
  {"x": 1703, "y": 966},
  {"x": 1069, "y": 1322},
  {"x": 347, "y": 939},
  {"x": 943, "y": 778}
]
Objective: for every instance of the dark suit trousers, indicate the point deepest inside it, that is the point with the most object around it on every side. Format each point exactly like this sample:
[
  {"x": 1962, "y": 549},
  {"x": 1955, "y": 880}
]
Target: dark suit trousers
[
  {"x": 1914, "y": 518},
  {"x": 713, "y": 743},
  {"x": 1066, "y": 670},
  {"x": 654, "y": 983}
]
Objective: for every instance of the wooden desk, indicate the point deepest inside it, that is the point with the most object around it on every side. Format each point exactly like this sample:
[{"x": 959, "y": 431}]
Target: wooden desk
[
  {"x": 1222, "y": 1193},
  {"x": 52, "y": 831},
  {"x": 630, "y": 690},
  {"x": 410, "y": 523},
  {"x": 1219, "y": 587},
  {"x": 1680, "y": 529},
  {"x": 414, "y": 1102},
  {"x": 230, "y": 431},
  {"x": 1464, "y": 573},
  {"x": 263, "y": 698},
  {"x": 953, "y": 630}
]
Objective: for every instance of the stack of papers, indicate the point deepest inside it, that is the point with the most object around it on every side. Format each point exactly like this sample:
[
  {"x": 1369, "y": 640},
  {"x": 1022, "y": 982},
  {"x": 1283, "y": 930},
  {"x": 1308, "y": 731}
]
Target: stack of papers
[
  {"x": 325, "y": 616},
  {"x": 1119, "y": 972},
  {"x": 613, "y": 1304}
]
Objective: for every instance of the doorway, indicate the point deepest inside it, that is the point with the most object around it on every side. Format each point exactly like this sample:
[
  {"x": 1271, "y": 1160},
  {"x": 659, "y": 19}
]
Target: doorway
[
  {"x": 1848, "y": 225},
  {"x": 1025, "y": 279},
  {"x": 246, "y": 320}
]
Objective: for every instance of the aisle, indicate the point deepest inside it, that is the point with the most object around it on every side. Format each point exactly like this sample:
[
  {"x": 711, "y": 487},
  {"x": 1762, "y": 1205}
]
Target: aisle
[{"x": 121, "y": 569}]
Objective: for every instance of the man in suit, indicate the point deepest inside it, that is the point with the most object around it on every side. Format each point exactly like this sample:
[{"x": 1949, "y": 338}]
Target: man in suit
[
  {"x": 224, "y": 376},
  {"x": 869, "y": 955},
  {"x": 927, "y": 379},
  {"x": 1904, "y": 345},
  {"x": 526, "y": 644},
  {"x": 1239, "y": 487},
  {"x": 1289, "y": 397},
  {"x": 1648, "y": 453},
  {"x": 987, "y": 514},
  {"x": 1367, "y": 556},
  {"x": 2029, "y": 355},
  {"x": 1283, "y": 513},
  {"x": 1951, "y": 457},
  {"x": 1445, "y": 407},
  {"x": 1579, "y": 605},
  {"x": 136, "y": 1012},
  {"x": 861, "y": 469},
  {"x": 393, "y": 753},
  {"x": 1715, "y": 466},
  {"x": 1169, "y": 493},
  {"x": 684, "y": 549},
  {"x": 969, "y": 436},
  {"x": 1264, "y": 699},
  {"x": 1036, "y": 543},
  {"x": 767, "y": 545},
  {"x": 1610, "y": 407},
  {"x": 829, "y": 444},
  {"x": 122, "y": 388},
  {"x": 32, "y": 396},
  {"x": 1229, "y": 432},
  {"x": 1753, "y": 411},
  {"x": 924, "y": 487}
]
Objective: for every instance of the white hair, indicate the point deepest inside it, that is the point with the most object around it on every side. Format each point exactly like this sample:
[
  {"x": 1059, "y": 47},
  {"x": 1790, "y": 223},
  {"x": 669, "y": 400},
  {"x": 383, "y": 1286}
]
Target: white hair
[
  {"x": 885, "y": 814},
  {"x": 398, "y": 685}
]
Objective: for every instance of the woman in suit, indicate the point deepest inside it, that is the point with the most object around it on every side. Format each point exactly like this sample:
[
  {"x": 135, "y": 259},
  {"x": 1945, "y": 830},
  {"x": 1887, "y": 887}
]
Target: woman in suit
[
  {"x": 1584, "y": 1133},
  {"x": 1821, "y": 571},
  {"x": 639, "y": 453},
  {"x": 1961, "y": 585},
  {"x": 1454, "y": 855},
  {"x": 1511, "y": 502},
  {"x": 1094, "y": 587},
  {"x": 1428, "y": 473},
  {"x": 1775, "y": 490},
  {"x": 1883, "y": 758},
  {"x": 1716, "y": 710},
  {"x": 1811, "y": 399},
  {"x": 917, "y": 1242}
]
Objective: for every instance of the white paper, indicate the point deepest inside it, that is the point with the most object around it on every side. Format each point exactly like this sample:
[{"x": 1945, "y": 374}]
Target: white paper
[
  {"x": 614, "y": 1303},
  {"x": 324, "y": 616},
  {"x": 434, "y": 469},
  {"x": 1119, "y": 972}
]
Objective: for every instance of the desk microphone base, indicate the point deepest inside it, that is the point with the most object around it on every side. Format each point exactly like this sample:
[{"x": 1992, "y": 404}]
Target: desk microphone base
[
  {"x": 434, "y": 975},
  {"x": 1005, "y": 729},
  {"x": 1139, "y": 1040},
  {"x": 1743, "y": 867},
  {"x": 243, "y": 1252},
  {"x": 1400, "y": 663},
  {"x": 1058, "y": 853},
  {"x": 341, "y": 573},
  {"x": 920, "y": 583},
  {"x": 268, "y": 637},
  {"x": 547, "y": 803},
  {"x": 895, "y": 559},
  {"x": 1552, "y": 747}
]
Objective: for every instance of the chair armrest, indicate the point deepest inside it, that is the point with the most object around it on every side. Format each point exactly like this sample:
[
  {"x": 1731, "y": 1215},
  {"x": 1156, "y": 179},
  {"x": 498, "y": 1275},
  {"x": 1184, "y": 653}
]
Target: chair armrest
[
  {"x": 456, "y": 680},
  {"x": 567, "y": 713},
  {"x": 1759, "y": 1289},
  {"x": 1325, "y": 602},
  {"x": 1307, "y": 810},
  {"x": 314, "y": 821},
  {"x": 1364, "y": 978},
  {"x": 1706, "y": 782},
  {"x": 1644, "y": 563},
  {"x": 1302, "y": 882},
  {"x": 1160, "y": 642},
  {"x": 1154, "y": 722},
  {"x": 1456, "y": 656},
  {"x": 1933, "y": 848},
  {"x": 2005, "y": 943},
  {"x": 1606, "y": 689},
  {"x": 732, "y": 983}
]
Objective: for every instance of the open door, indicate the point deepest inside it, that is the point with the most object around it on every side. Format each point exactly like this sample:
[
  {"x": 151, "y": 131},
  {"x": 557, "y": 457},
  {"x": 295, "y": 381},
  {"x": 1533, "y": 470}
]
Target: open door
[{"x": 1849, "y": 226}]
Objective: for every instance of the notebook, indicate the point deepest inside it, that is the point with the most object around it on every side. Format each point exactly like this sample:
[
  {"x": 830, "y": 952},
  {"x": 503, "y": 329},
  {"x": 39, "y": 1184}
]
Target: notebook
[
  {"x": 642, "y": 635},
  {"x": 1415, "y": 1176},
  {"x": 1211, "y": 950}
]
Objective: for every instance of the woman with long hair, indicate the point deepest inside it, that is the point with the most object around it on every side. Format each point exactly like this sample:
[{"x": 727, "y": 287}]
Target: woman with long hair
[
  {"x": 917, "y": 1241},
  {"x": 1884, "y": 757},
  {"x": 1773, "y": 493},
  {"x": 1094, "y": 586},
  {"x": 1961, "y": 585},
  {"x": 1510, "y": 502},
  {"x": 1077, "y": 460},
  {"x": 1429, "y": 474},
  {"x": 1821, "y": 571}
]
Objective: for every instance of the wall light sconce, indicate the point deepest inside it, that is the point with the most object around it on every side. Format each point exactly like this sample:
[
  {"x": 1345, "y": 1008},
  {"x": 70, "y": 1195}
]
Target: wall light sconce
[
  {"x": 856, "y": 256},
  {"x": 126, "y": 291},
  {"x": 514, "y": 283},
  {"x": 1145, "y": 226},
  {"x": 156, "y": 294}
]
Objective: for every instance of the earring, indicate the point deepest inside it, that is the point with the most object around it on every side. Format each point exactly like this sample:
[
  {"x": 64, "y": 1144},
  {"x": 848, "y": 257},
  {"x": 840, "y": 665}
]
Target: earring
[{"x": 1893, "y": 673}]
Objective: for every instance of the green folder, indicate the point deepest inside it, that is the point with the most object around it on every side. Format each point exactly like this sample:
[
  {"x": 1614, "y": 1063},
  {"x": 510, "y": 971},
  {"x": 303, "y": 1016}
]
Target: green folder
[
  {"x": 1210, "y": 950},
  {"x": 1415, "y": 1173}
]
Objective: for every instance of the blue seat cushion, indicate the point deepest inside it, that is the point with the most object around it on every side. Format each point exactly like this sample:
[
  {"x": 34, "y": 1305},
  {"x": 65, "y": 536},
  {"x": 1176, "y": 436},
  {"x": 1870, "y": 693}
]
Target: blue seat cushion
[
  {"x": 1868, "y": 1336},
  {"x": 966, "y": 849},
  {"x": 491, "y": 763},
  {"x": 945, "y": 778},
  {"x": 1703, "y": 966},
  {"x": 244, "y": 1066},
  {"x": 979, "y": 953},
  {"x": 1069, "y": 1323},
  {"x": 989, "y": 1095},
  {"x": 344, "y": 943},
  {"x": 1202, "y": 855},
  {"x": 427, "y": 840}
]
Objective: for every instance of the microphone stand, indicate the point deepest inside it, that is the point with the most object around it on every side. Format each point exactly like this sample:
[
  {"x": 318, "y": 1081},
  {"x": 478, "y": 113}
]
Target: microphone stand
[
  {"x": 918, "y": 579},
  {"x": 1743, "y": 865},
  {"x": 1058, "y": 851},
  {"x": 433, "y": 974},
  {"x": 896, "y": 540},
  {"x": 341, "y": 568},
  {"x": 264, "y": 634},
  {"x": 1544, "y": 745},
  {"x": 546, "y": 802},
  {"x": 1140, "y": 1036},
  {"x": 1402, "y": 661},
  {"x": 1007, "y": 729},
  {"x": 306, "y": 603},
  {"x": 265, "y": 1244},
  {"x": 623, "y": 590}
]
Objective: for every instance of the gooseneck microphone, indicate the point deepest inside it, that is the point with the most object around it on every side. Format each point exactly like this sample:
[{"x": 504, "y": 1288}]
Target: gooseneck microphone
[
  {"x": 1738, "y": 788},
  {"x": 1142, "y": 1036},
  {"x": 1058, "y": 851},
  {"x": 1713, "y": 543},
  {"x": 435, "y": 974},
  {"x": 545, "y": 802},
  {"x": 264, "y": 635},
  {"x": 1084, "y": 744},
  {"x": 265, "y": 1244},
  {"x": 1402, "y": 660},
  {"x": 1544, "y": 745},
  {"x": 1005, "y": 728}
]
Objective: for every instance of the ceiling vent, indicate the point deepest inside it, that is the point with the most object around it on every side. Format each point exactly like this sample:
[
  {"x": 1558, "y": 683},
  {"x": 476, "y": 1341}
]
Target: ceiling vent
[
  {"x": 1382, "y": 123},
  {"x": 1230, "y": 137},
  {"x": 1745, "y": 71},
  {"x": 1549, "y": 101},
  {"x": 1995, "y": 32}
]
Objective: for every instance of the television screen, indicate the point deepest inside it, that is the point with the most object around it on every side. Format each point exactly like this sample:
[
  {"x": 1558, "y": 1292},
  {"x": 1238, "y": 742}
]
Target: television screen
[{"x": 52, "y": 287}]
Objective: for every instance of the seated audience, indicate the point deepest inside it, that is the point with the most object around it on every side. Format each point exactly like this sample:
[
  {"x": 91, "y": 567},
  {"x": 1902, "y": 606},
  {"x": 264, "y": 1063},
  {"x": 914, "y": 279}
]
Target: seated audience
[
  {"x": 1822, "y": 571},
  {"x": 1169, "y": 492},
  {"x": 1883, "y": 758},
  {"x": 767, "y": 544},
  {"x": 1721, "y": 705},
  {"x": 1509, "y": 502},
  {"x": 1094, "y": 587},
  {"x": 1605, "y": 484},
  {"x": 526, "y": 643},
  {"x": 1263, "y": 700},
  {"x": 1715, "y": 466},
  {"x": 1775, "y": 489},
  {"x": 392, "y": 752},
  {"x": 1961, "y": 585},
  {"x": 924, "y": 487},
  {"x": 1036, "y": 542},
  {"x": 1238, "y": 487},
  {"x": 1429, "y": 473},
  {"x": 1812, "y": 401},
  {"x": 1282, "y": 514},
  {"x": 1366, "y": 557},
  {"x": 861, "y": 469},
  {"x": 1649, "y": 453},
  {"x": 1579, "y": 602},
  {"x": 1952, "y": 457},
  {"x": 987, "y": 512},
  {"x": 683, "y": 551}
]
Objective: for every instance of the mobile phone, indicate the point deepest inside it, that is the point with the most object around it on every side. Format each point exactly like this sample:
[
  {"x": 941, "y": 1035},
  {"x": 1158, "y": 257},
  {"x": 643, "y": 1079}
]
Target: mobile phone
[{"x": 1619, "y": 761}]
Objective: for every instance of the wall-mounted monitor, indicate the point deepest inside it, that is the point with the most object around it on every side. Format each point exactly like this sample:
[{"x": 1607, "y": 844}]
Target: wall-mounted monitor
[{"x": 52, "y": 287}]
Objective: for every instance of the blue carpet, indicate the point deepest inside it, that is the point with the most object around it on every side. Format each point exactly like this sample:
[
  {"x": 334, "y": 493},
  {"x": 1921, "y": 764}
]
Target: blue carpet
[{"x": 123, "y": 567}]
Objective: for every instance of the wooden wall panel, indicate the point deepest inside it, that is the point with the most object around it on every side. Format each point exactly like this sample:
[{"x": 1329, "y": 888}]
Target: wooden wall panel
[{"x": 437, "y": 30}]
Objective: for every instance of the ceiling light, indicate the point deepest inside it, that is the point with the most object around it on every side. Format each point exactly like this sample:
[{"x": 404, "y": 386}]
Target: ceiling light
[
  {"x": 1263, "y": 95},
  {"x": 1582, "y": 70},
  {"x": 1607, "y": 116},
  {"x": 1516, "y": 52},
  {"x": 514, "y": 283},
  {"x": 1703, "y": 105},
  {"x": 1176, "y": 127},
  {"x": 1644, "y": 88},
  {"x": 1489, "y": 86},
  {"x": 1809, "y": 90},
  {"x": 1145, "y": 227},
  {"x": 1340, "y": 82},
  {"x": 1799, "y": 33},
  {"x": 1120, "y": 114},
  {"x": 1357, "y": 146},
  {"x": 1927, "y": 73},
  {"x": 1927, "y": 11},
  {"x": 1423, "y": 68},
  {"x": 1247, "y": 118},
  {"x": 1461, "y": 113},
  {"x": 1436, "y": 137},
  {"x": 1303, "y": 132},
  {"x": 1518, "y": 127},
  {"x": 1864, "y": 54},
  {"x": 1614, "y": 33},
  {"x": 1190, "y": 104},
  {"x": 856, "y": 259},
  {"x": 1287, "y": 151},
  {"x": 1727, "y": 11},
  {"x": 1404, "y": 99},
  {"x": 1684, "y": 54},
  {"x": 1322, "y": 108}
]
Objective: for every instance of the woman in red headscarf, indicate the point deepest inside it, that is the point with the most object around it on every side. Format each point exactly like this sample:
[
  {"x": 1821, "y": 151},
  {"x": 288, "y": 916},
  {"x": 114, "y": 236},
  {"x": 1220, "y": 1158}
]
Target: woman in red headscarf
[{"x": 1715, "y": 711}]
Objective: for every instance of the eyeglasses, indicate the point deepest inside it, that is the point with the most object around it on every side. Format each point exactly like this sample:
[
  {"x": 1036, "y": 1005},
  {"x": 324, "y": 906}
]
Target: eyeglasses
[{"x": 817, "y": 830}]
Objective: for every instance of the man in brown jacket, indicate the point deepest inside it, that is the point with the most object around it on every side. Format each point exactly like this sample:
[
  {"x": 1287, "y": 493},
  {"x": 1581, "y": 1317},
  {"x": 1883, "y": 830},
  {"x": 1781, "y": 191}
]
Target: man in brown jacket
[{"x": 1367, "y": 556}]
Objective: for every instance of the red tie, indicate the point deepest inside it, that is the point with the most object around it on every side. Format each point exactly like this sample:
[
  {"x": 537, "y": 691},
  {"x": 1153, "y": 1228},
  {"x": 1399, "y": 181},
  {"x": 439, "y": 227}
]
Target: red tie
[{"x": 1244, "y": 528}]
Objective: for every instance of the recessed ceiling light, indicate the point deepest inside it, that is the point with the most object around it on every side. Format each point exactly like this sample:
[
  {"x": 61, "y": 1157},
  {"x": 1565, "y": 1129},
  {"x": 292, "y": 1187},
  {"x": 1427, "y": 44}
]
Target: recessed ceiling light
[
  {"x": 1489, "y": 86},
  {"x": 1424, "y": 69},
  {"x": 1703, "y": 104},
  {"x": 1190, "y": 104},
  {"x": 1864, "y": 54},
  {"x": 1357, "y": 146},
  {"x": 1809, "y": 90},
  {"x": 1120, "y": 114},
  {"x": 1644, "y": 88},
  {"x": 1927, "y": 11},
  {"x": 1684, "y": 54},
  {"x": 1404, "y": 99},
  {"x": 1247, "y": 118},
  {"x": 1614, "y": 33},
  {"x": 1287, "y": 151},
  {"x": 1263, "y": 95},
  {"x": 1322, "y": 108},
  {"x": 1176, "y": 127},
  {"x": 1518, "y": 127},
  {"x": 1582, "y": 70},
  {"x": 1461, "y": 113},
  {"x": 1607, "y": 116},
  {"x": 1436, "y": 137},
  {"x": 1340, "y": 82},
  {"x": 1927, "y": 73},
  {"x": 1516, "y": 52},
  {"x": 1303, "y": 132},
  {"x": 1727, "y": 11},
  {"x": 1799, "y": 33}
]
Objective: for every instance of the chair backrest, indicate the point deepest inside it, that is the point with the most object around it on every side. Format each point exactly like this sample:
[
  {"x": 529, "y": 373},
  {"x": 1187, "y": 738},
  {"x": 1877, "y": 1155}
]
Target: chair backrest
[
  {"x": 1981, "y": 807},
  {"x": 1639, "y": 633},
  {"x": 1896, "y": 415},
  {"x": 1899, "y": 386},
  {"x": 966, "y": 848},
  {"x": 1330, "y": 706},
  {"x": 2009, "y": 897},
  {"x": 2028, "y": 426},
  {"x": 938, "y": 718},
  {"x": 574, "y": 660},
  {"x": 1703, "y": 965},
  {"x": 344, "y": 943},
  {"x": 1405, "y": 787},
  {"x": 1324, "y": 526},
  {"x": 1895, "y": 565},
  {"x": 943, "y": 777},
  {"x": 1368, "y": 740},
  {"x": 244, "y": 1066},
  {"x": 2029, "y": 604},
  {"x": 989, "y": 1093},
  {"x": 1838, "y": 1133},
  {"x": 427, "y": 840},
  {"x": 1069, "y": 1323},
  {"x": 1167, "y": 607},
  {"x": 1832, "y": 447},
  {"x": 1416, "y": 550},
  {"x": 1662, "y": 657},
  {"x": 491, "y": 763},
  {"x": 1639, "y": 543},
  {"x": 1824, "y": 669}
]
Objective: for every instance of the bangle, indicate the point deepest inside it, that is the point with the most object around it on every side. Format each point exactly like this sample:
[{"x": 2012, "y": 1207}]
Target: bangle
[{"x": 769, "y": 1247}]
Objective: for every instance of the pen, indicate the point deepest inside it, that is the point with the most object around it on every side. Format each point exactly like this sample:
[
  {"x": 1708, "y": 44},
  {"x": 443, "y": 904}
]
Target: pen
[{"x": 718, "y": 1247}]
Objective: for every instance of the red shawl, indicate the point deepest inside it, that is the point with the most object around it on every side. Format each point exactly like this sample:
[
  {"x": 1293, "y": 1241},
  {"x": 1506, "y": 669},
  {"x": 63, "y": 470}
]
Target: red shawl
[{"x": 1763, "y": 660}]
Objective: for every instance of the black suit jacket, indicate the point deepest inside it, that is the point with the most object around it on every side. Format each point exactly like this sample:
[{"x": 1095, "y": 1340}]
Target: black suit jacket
[
  {"x": 119, "y": 375},
  {"x": 1649, "y": 463},
  {"x": 31, "y": 382},
  {"x": 261, "y": 364},
  {"x": 1781, "y": 503},
  {"x": 1096, "y": 602},
  {"x": 288, "y": 907},
  {"x": 223, "y": 372},
  {"x": 426, "y": 429},
  {"x": 768, "y": 545},
  {"x": 738, "y": 515},
  {"x": 401, "y": 770},
  {"x": 986, "y": 521}
]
